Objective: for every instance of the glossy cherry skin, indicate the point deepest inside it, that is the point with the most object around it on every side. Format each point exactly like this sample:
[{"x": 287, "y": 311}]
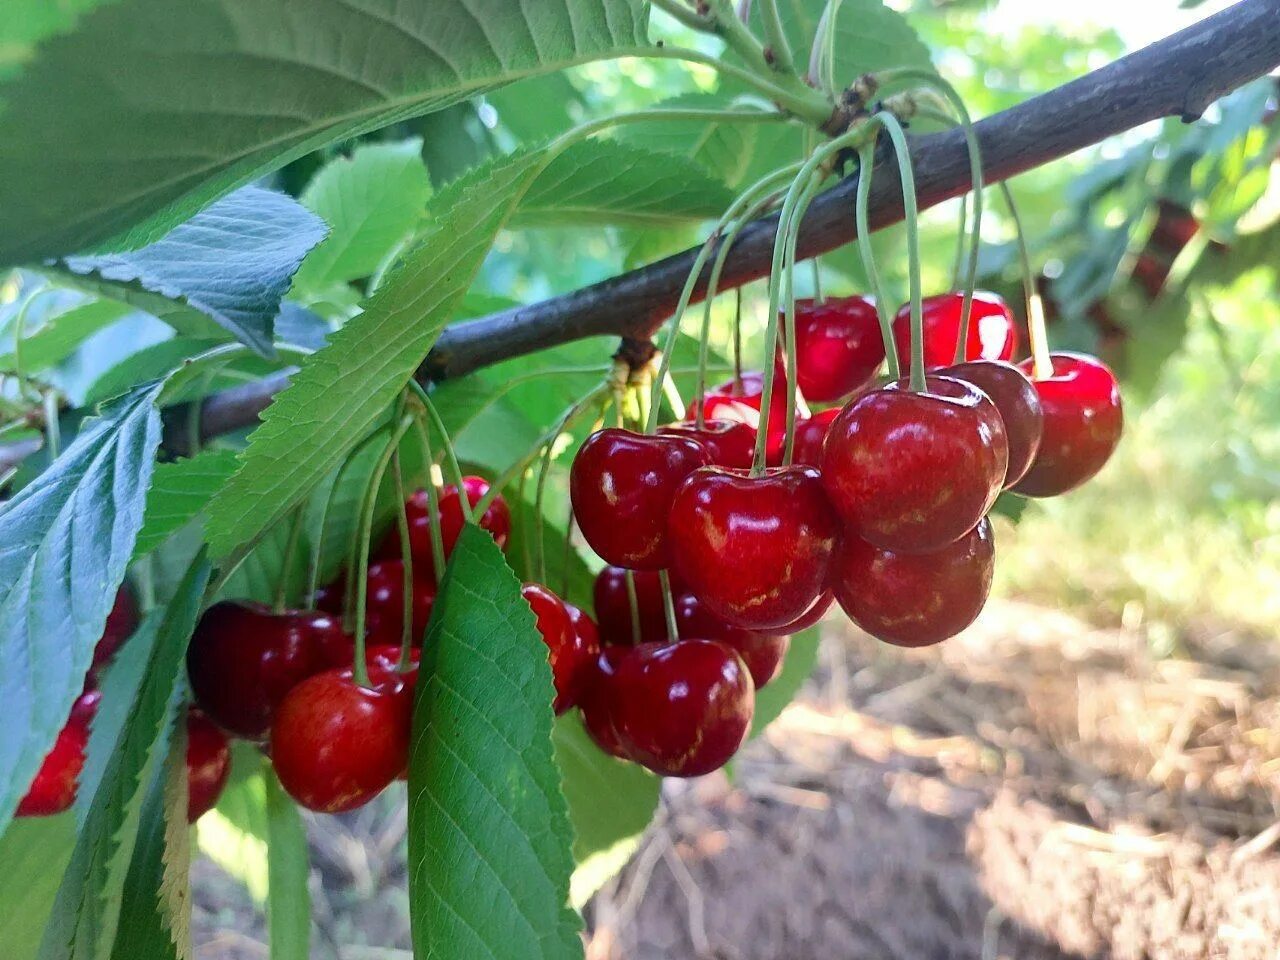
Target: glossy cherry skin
[
  {"x": 208, "y": 764},
  {"x": 915, "y": 599},
  {"x": 1018, "y": 404},
  {"x": 838, "y": 346},
  {"x": 384, "y": 602},
  {"x": 817, "y": 610},
  {"x": 598, "y": 697},
  {"x": 53, "y": 789},
  {"x": 243, "y": 659},
  {"x": 682, "y": 709},
  {"x": 336, "y": 745},
  {"x": 569, "y": 648},
  {"x": 731, "y": 443},
  {"x": 811, "y": 437},
  {"x": 1083, "y": 419},
  {"x": 496, "y": 519},
  {"x": 743, "y": 402},
  {"x": 993, "y": 334},
  {"x": 755, "y": 550},
  {"x": 613, "y": 606},
  {"x": 122, "y": 621},
  {"x": 915, "y": 471},
  {"x": 622, "y": 484},
  {"x": 761, "y": 652}
]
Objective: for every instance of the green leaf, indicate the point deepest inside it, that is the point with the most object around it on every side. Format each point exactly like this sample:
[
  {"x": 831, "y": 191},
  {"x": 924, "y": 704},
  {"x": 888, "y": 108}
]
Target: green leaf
[
  {"x": 35, "y": 852},
  {"x": 598, "y": 182},
  {"x": 234, "y": 834},
  {"x": 179, "y": 492},
  {"x": 869, "y": 36},
  {"x": 145, "y": 685},
  {"x": 343, "y": 390},
  {"x": 721, "y": 148},
  {"x": 796, "y": 668},
  {"x": 289, "y": 903},
  {"x": 60, "y": 334},
  {"x": 232, "y": 262},
  {"x": 65, "y": 541},
  {"x": 242, "y": 88},
  {"x": 489, "y": 834},
  {"x": 372, "y": 201},
  {"x": 610, "y": 804}
]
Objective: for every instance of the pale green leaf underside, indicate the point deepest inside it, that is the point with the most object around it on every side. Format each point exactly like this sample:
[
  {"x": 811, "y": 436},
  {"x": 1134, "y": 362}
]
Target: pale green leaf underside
[
  {"x": 489, "y": 835},
  {"x": 171, "y": 105}
]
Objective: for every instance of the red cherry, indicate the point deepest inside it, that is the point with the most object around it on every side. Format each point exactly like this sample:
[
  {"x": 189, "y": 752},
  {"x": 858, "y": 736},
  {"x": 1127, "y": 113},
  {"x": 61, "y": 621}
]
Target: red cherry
[
  {"x": 53, "y": 789},
  {"x": 915, "y": 471},
  {"x": 811, "y": 436},
  {"x": 336, "y": 745},
  {"x": 613, "y": 606},
  {"x": 761, "y": 652},
  {"x": 384, "y": 603},
  {"x": 992, "y": 332},
  {"x": 598, "y": 696},
  {"x": 622, "y": 484},
  {"x": 1083, "y": 418},
  {"x": 570, "y": 650},
  {"x": 742, "y": 402},
  {"x": 755, "y": 550},
  {"x": 243, "y": 659},
  {"x": 838, "y": 346},
  {"x": 811, "y": 616},
  {"x": 122, "y": 621},
  {"x": 731, "y": 443},
  {"x": 1019, "y": 406},
  {"x": 496, "y": 519},
  {"x": 915, "y": 599},
  {"x": 208, "y": 764},
  {"x": 682, "y": 709}
]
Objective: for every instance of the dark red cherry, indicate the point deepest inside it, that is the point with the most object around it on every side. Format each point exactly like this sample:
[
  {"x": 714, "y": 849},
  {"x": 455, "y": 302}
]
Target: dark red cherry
[
  {"x": 755, "y": 550},
  {"x": 810, "y": 617},
  {"x": 122, "y": 621},
  {"x": 838, "y": 346},
  {"x": 496, "y": 519},
  {"x": 54, "y": 788},
  {"x": 682, "y": 709},
  {"x": 384, "y": 602},
  {"x": 208, "y": 764},
  {"x": 622, "y": 484},
  {"x": 741, "y": 401},
  {"x": 569, "y": 649},
  {"x": 993, "y": 334},
  {"x": 731, "y": 443},
  {"x": 243, "y": 659},
  {"x": 613, "y": 606},
  {"x": 1019, "y": 406},
  {"x": 1083, "y": 418},
  {"x": 598, "y": 697},
  {"x": 915, "y": 599},
  {"x": 811, "y": 436},
  {"x": 761, "y": 652},
  {"x": 336, "y": 745},
  {"x": 915, "y": 471}
]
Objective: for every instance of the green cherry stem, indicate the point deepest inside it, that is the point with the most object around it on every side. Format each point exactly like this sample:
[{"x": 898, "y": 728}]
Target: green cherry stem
[
  {"x": 1041, "y": 361},
  {"x": 52, "y": 429},
  {"x": 433, "y": 500},
  {"x": 290, "y": 551},
  {"x": 406, "y": 559},
  {"x": 775, "y": 38},
  {"x": 450, "y": 456},
  {"x": 789, "y": 313},
  {"x": 634, "y": 602},
  {"x": 866, "y": 167},
  {"x": 669, "y": 606}
]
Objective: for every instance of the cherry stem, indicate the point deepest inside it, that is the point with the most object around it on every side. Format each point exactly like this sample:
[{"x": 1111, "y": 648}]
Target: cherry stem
[
  {"x": 961, "y": 245},
  {"x": 789, "y": 304},
  {"x": 669, "y": 606},
  {"x": 52, "y": 429},
  {"x": 866, "y": 167},
  {"x": 775, "y": 37},
  {"x": 634, "y": 603},
  {"x": 1041, "y": 360},
  {"x": 433, "y": 502},
  {"x": 450, "y": 455},
  {"x": 737, "y": 344},
  {"x": 290, "y": 551},
  {"x": 822, "y": 59},
  {"x": 317, "y": 556},
  {"x": 406, "y": 561}
]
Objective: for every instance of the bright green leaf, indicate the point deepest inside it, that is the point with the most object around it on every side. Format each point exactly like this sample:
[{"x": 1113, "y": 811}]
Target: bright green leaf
[
  {"x": 289, "y": 902},
  {"x": 722, "y": 148},
  {"x": 35, "y": 852},
  {"x": 65, "y": 541},
  {"x": 179, "y": 492},
  {"x": 59, "y": 335},
  {"x": 870, "y": 36},
  {"x": 489, "y": 833}
]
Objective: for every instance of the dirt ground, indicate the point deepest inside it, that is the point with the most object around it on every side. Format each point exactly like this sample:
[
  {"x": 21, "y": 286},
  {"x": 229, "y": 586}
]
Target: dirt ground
[{"x": 1033, "y": 789}]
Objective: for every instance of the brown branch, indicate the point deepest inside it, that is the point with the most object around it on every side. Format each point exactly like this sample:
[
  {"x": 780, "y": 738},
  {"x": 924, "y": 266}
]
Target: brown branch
[{"x": 1178, "y": 76}]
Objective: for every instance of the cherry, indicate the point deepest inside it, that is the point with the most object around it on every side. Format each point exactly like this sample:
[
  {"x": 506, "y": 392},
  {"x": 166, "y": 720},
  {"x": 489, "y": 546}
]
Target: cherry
[
  {"x": 682, "y": 709},
  {"x": 730, "y": 443},
  {"x": 336, "y": 745},
  {"x": 1083, "y": 418},
  {"x": 1019, "y": 406},
  {"x": 761, "y": 652},
  {"x": 208, "y": 764},
  {"x": 613, "y": 606},
  {"x": 622, "y": 484},
  {"x": 496, "y": 519},
  {"x": 53, "y": 789},
  {"x": 121, "y": 622},
  {"x": 992, "y": 333},
  {"x": 755, "y": 550},
  {"x": 915, "y": 471},
  {"x": 811, "y": 616},
  {"x": 811, "y": 436},
  {"x": 838, "y": 346},
  {"x": 384, "y": 603},
  {"x": 570, "y": 649},
  {"x": 598, "y": 696},
  {"x": 915, "y": 599},
  {"x": 243, "y": 659},
  {"x": 741, "y": 401}
]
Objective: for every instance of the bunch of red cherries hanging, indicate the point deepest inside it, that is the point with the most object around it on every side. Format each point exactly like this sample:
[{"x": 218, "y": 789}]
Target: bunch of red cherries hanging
[{"x": 882, "y": 507}]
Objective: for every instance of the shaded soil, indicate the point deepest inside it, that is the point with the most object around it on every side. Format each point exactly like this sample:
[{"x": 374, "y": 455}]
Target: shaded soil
[{"x": 1033, "y": 789}]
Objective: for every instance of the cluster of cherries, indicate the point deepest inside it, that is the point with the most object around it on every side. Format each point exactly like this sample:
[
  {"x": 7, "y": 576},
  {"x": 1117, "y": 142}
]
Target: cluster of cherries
[
  {"x": 208, "y": 755},
  {"x": 883, "y": 510}
]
